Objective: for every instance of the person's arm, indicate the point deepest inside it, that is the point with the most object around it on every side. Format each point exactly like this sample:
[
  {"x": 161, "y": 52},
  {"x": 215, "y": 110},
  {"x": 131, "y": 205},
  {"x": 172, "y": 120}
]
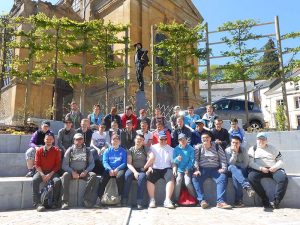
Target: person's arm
[
  {"x": 222, "y": 157},
  {"x": 94, "y": 146},
  {"x": 33, "y": 140},
  {"x": 150, "y": 160},
  {"x": 245, "y": 158},
  {"x": 60, "y": 140},
  {"x": 279, "y": 162},
  {"x": 57, "y": 165},
  {"x": 175, "y": 154},
  {"x": 91, "y": 163},
  {"x": 231, "y": 156},
  {"x": 252, "y": 162},
  {"x": 191, "y": 158},
  {"x": 106, "y": 160},
  {"x": 123, "y": 164},
  {"x": 66, "y": 161},
  {"x": 226, "y": 141},
  {"x": 129, "y": 163}
]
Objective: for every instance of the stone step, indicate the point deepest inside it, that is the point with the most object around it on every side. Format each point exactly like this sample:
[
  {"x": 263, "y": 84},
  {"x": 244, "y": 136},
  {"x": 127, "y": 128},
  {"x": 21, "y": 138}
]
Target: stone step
[
  {"x": 14, "y": 164},
  {"x": 16, "y": 193}
]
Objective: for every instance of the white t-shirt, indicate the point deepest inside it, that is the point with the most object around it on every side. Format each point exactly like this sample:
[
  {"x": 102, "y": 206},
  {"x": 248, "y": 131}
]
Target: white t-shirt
[
  {"x": 163, "y": 156},
  {"x": 99, "y": 140}
]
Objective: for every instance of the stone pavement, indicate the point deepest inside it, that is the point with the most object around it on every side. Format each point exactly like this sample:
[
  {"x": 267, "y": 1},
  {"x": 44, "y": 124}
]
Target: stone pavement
[
  {"x": 215, "y": 216},
  {"x": 157, "y": 216}
]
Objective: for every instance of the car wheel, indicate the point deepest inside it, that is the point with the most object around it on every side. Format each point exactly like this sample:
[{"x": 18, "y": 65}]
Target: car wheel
[{"x": 255, "y": 125}]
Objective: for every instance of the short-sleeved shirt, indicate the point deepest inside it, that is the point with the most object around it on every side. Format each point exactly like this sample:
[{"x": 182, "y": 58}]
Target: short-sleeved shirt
[
  {"x": 148, "y": 136},
  {"x": 99, "y": 140},
  {"x": 139, "y": 156},
  {"x": 163, "y": 156}
]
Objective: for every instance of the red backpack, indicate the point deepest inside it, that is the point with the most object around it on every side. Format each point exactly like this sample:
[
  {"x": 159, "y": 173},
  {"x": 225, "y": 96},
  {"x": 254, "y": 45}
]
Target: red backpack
[{"x": 185, "y": 199}]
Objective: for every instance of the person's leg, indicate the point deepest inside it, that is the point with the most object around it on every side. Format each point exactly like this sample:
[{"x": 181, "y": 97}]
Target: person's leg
[
  {"x": 189, "y": 185},
  {"x": 152, "y": 178},
  {"x": 66, "y": 178},
  {"x": 29, "y": 156},
  {"x": 254, "y": 178},
  {"x": 56, "y": 189},
  {"x": 179, "y": 179},
  {"x": 102, "y": 185},
  {"x": 281, "y": 185},
  {"x": 238, "y": 174},
  {"x": 141, "y": 187},
  {"x": 120, "y": 181},
  {"x": 169, "y": 178},
  {"x": 90, "y": 184},
  {"x": 237, "y": 180},
  {"x": 198, "y": 183},
  {"x": 128, "y": 180},
  {"x": 221, "y": 181},
  {"x": 36, "y": 180}
]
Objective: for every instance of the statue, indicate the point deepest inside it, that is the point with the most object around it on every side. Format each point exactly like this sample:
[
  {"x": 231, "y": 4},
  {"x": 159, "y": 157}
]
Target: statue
[{"x": 141, "y": 61}]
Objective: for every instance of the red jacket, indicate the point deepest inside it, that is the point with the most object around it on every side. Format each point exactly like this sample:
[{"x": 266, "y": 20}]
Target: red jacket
[
  {"x": 132, "y": 117},
  {"x": 50, "y": 161}
]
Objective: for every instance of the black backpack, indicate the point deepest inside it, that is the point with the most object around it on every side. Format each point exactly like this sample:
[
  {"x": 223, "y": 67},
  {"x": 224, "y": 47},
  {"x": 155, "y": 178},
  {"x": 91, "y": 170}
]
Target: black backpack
[{"x": 47, "y": 195}]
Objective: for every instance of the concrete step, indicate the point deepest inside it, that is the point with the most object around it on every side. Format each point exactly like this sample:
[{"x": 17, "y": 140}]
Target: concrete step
[{"x": 16, "y": 193}]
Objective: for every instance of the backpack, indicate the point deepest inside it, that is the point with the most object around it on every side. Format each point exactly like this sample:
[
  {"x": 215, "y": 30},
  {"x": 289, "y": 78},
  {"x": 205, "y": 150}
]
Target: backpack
[
  {"x": 47, "y": 195},
  {"x": 185, "y": 199},
  {"x": 111, "y": 194}
]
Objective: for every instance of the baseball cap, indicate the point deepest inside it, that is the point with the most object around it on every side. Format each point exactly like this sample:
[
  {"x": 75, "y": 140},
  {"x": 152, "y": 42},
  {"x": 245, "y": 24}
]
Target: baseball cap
[
  {"x": 177, "y": 107},
  {"x": 181, "y": 136},
  {"x": 162, "y": 135},
  {"x": 45, "y": 123},
  {"x": 261, "y": 135},
  {"x": 200, "y": 121},
  {"x": 78, "y": 136}
]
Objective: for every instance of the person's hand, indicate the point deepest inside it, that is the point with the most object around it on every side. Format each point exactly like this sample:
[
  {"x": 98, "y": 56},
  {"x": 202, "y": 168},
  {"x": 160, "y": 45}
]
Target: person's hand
[
  {"x": 272, "y": 169},
  {"x": 174, "y": 171},
  {"x": 265, "y": 170},
  {"x": 48, "y": 177},
  {"x": 111, "y": 173},
  {"x": 44, "y": 178},
  {"x": 136, "y": 175},
  {"x": 218, "y": 141},
  {"x": 150, "y": 170},
  {"x": 179, "y": 158},
  {"x": 83, "y": 174},
  {"x": 197, "y": 173},
  {"x": 75, "y": 175},
  {"x": 221, "y": 170},
  {"x": 116, "y": 172}
]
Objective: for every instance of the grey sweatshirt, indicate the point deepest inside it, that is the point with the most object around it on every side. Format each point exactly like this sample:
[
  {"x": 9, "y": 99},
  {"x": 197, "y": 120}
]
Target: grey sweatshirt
[
  {"x": 240, "y": 159},
  {"x": 65, "y": 138},
  {"x": 78, "y": 160},
  {"x": 265, "y": 157}
]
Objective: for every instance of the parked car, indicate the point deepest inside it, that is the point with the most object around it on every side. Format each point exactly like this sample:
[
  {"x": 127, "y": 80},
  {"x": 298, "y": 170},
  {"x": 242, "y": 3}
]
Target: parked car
[{"x": 235, "y": 108}]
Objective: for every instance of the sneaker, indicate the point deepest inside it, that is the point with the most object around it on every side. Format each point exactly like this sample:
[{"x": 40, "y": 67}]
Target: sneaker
[
  {"x": 204, "y": 204},
  {"x": 266, "y": 204},
  {"x": 168, "y": 204},
  {"x": 40, "y": 208},
  {"x": 99, "y": 205},
  {"x": 223, "y": 205},
  {"x": 30, "y": 173},
  {"x": 274, "y": 204},
  {"x": 65, "y": 206},
  {"x": 139, "y": 207},
  {"x": 250, "y": 192},
  {"x": 239, "y": 204},
  {"x": 152, "y": 203},
  {"x": 87, "y": 204}
]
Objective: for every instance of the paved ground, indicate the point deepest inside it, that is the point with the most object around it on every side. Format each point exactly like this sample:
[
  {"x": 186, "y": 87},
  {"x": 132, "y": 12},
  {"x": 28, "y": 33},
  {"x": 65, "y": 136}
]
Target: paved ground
[{"x": 158, "y": 216}]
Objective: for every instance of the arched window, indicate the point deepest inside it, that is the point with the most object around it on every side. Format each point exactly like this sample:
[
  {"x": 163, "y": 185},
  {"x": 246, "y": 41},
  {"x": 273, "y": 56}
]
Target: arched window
[{"x": 160, "y": 61}]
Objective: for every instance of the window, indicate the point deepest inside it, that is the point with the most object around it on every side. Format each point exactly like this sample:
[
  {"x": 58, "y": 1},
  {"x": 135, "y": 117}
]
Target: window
[
  {"x": 158, "y": 60},
  {"x": 279, "y": 102},
  {"x": 222, "y": 105},
  {"x": 297, "y": 102},
  {"x": 298, "y": 121},
  {"x": 296, "y": 86},
  {"x": 76, "y": 5}
]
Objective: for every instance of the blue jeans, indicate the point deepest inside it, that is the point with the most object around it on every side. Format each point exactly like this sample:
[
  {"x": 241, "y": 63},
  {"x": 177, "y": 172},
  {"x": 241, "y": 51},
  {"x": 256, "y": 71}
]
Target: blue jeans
[
  {"x": 129, "y": 176},
  {"x": 239, "y": 180},
  {"x": 219, "y": 178}
]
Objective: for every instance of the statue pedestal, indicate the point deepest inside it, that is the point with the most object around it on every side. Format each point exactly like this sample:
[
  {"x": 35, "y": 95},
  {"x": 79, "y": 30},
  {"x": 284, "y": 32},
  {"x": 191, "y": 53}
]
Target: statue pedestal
[{"x": 141, "y": 101}]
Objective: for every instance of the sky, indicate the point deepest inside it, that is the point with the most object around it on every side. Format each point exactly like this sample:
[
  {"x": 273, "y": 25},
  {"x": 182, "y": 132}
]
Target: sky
[{"x": 217, "y": 12}]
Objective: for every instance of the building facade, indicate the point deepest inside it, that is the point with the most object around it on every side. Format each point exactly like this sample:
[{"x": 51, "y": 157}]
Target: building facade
[{"x": 140, "y": 15}]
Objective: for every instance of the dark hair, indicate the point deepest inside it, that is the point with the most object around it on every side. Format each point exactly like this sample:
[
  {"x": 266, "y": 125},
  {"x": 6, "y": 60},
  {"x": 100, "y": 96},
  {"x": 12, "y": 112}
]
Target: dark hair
[
  {"x": 234, "y": 120},
  {"x": 97, "y": 105},
  {"x": 49, "y": 134},
  {"x": 190, "y": 107},
  {"x": 236, "y": 138},
  {"x": 207, "y": 133},
  {"x": 128, "y": 107},
  {"x": 144, "y": 121},
  {"x": 140, "y": 135}
]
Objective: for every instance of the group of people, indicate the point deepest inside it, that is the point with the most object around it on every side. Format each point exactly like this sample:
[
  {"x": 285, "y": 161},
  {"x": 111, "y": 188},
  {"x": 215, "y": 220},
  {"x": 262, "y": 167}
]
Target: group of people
[{"x": 185, "y": 151}]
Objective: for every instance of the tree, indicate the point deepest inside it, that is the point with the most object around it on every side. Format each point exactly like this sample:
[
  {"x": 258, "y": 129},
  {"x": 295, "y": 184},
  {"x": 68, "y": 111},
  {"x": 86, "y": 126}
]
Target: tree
[
  {"x": 179, "y": 49},
  {"x": 269, "y": 61},
  {"x": 216, "y": 73},
  {"x": 243, "y": 57}
]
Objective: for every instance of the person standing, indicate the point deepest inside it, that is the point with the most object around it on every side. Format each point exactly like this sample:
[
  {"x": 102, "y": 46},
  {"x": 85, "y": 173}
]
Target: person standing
[
  {"x": 112, "y": 116},
  {"x": 220, "y": 134},
  {"x": 75, "y": 115},
  {"x": 143, "y": 116},
  {"x": 96, "y": 118},
  {"x": 65, "y": 136},
  {"x": 191, "y": 118},
  {"x": 128, "y": 115}
]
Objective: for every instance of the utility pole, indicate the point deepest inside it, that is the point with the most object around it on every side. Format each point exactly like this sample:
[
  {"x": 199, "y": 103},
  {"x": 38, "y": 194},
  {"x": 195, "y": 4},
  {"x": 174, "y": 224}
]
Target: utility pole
[
  {"x": 126, "y": 70},
  {"x": 153, "y": 69},
  {"x": 281, "y": 71},
  {"x": 208, "y": 65}
]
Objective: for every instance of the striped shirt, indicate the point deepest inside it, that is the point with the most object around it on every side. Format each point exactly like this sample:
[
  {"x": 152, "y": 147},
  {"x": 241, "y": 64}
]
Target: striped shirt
[{"x": 211, "y": 157}]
